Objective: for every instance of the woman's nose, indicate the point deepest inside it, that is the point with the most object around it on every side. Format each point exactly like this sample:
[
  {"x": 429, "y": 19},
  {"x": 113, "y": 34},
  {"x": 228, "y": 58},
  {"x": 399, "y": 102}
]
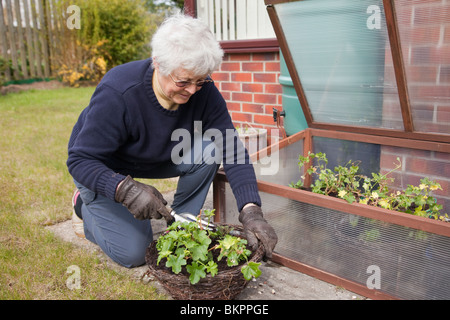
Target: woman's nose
[{"x": 192, "y": 88}]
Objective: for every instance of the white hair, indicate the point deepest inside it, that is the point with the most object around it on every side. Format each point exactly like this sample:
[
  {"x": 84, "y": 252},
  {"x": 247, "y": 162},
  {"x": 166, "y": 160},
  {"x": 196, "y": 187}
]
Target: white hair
[{"x": 186, "y": 42}]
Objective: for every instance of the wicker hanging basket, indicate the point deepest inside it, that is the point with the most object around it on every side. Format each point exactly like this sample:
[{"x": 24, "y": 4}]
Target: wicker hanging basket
[{"x": 225, "y": 285}]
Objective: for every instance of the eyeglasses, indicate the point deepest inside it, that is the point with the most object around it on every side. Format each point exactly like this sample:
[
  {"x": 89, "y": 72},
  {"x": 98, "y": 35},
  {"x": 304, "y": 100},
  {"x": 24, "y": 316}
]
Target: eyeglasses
[{"x": 183, "y": 83}]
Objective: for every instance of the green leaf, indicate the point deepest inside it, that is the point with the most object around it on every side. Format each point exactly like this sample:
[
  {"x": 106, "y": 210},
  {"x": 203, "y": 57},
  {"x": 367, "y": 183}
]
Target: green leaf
[
  {"x": 199, "y": 252},
  {"x": 175, "y": 262},
  {"x": 232, "y": 259},
  {"x": 212, "y": 268},
  {"x": 201, "y": 237},
  {"x": 163, "y": 254},
  {"x": 228, "y": 242},
  {"x": 251, "y": 270},
  {"x": 196, "y": 272}
]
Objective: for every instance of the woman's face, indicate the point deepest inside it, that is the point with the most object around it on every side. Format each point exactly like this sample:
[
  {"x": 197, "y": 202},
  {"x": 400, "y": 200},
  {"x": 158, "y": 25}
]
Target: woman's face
[{"x": 174, "y": 93}]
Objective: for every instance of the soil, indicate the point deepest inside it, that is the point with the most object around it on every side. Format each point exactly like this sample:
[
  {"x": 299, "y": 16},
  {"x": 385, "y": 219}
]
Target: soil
[{"x": 37, "y": 85}]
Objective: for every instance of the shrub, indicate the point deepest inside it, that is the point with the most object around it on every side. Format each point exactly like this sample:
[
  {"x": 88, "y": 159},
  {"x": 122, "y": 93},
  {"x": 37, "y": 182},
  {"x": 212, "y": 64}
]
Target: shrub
[
  {"x": 112, "y": 33},
  {"x": 125, "y": 25}
]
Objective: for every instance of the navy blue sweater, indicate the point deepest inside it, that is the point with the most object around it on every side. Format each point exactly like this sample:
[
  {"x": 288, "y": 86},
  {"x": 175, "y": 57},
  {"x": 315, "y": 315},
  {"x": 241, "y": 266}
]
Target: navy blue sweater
[{"x": 125, "y": 131}]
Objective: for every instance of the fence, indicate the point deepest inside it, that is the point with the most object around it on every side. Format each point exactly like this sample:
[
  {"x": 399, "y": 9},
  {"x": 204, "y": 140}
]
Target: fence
[
  {"x": 236, "y": 19},
  {"x": 30, "y": 31}
]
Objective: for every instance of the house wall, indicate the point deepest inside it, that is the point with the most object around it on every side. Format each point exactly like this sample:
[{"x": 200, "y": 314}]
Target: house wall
[{"x": 249, "y": 83}]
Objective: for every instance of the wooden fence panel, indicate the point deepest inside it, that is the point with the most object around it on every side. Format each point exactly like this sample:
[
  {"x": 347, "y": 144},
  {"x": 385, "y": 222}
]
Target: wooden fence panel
[
  {"x": 30, "y": 34},
  {"x": 3, "y": 40}
]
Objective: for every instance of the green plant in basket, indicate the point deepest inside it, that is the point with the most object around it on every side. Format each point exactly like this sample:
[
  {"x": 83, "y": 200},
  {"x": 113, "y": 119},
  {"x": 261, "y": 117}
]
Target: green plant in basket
[{"x": 187, "y": 245}]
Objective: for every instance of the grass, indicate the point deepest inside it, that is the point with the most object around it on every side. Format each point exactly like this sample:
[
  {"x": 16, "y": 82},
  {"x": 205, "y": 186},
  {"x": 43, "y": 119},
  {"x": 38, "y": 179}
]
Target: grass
[{"x": 35, "y": 191}]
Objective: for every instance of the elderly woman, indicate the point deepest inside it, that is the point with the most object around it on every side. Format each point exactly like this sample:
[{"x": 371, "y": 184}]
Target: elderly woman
[{"x": 126, "y": 132}]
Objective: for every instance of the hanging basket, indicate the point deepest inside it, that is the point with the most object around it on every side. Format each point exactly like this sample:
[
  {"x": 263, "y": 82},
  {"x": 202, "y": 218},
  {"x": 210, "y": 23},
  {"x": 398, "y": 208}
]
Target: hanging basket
[{"x": 225, "y": 285}]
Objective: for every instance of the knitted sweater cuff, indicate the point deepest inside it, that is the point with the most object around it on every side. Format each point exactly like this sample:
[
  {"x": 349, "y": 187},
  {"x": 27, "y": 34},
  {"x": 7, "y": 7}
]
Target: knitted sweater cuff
[{"x": 247, "y": 194}]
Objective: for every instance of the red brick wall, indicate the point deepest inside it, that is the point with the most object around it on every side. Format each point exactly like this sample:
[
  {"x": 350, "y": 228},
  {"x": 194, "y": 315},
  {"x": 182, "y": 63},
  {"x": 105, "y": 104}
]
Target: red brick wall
[
  {"x": 249, "y": 84},
  {"x": 424, "y": 28}
]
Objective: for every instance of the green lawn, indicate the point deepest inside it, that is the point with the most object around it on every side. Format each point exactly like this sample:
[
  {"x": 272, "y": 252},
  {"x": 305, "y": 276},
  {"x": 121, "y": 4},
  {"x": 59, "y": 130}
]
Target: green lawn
[{"x": 35, "y": 191}]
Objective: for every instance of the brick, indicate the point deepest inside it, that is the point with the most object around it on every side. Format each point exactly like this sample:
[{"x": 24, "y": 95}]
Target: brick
[
  {"x": 231, "y": 86},
  {"x": 230, "y": 66},
  {"x": 265, "y": 98},
  {"x": 443, "y": 114},
  {"x": 265, "y": 56},
  {"x": 424, "y": 112},
  {"x": 431, "y": 14},
  {"x": 444, "y": 75},
  {"x": 226, "y": 95},
  {"x": 272, "y": 66},
  {"x": 263, "y": 119},
  {"x": 265, "y": 77},
  {"x": 242, "y": 117},
  {"x": 273, "y": 88},
  {"x": 221, "y": 76},
  {"x": 243, "y": 97},
  {"x": 388, "y": 161},
  {"x": 269, "y": 108},
  {"x": 415, "y": 2},
  {"x": 431, "y": 92},
  {"x": 280, "y": 99},
  {"x": 447, "y": 35},
  {"x": 442, "y": 156},
  {"x": 252, "y": 108},
  {"x": 432, "y": 127},
  {"x": 234, "y": 106},
  {"x": 253, "y": 66},
  {"x": 427, "y": 167},
  {"x": 252, "y": 87},
  {"x": 429, "y": 34},
  {"x": 242, "y": 77},
  {"x": 239, "y": 57},
  {"x": 421, "y": 73},
  {"x": 421, "y": 55}
]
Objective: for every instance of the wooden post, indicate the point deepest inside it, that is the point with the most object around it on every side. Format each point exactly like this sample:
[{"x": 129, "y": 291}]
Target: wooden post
[
  {"x": 12, "y": 40},
  {"x": 23, "y": 55},
  {"x": 4, "y": 40},
  {"x": 29, "y": 36}
]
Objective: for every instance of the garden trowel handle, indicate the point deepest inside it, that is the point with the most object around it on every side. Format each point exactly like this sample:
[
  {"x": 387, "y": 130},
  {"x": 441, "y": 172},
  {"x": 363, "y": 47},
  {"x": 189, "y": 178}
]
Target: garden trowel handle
[{"x": 188, "y": 217}]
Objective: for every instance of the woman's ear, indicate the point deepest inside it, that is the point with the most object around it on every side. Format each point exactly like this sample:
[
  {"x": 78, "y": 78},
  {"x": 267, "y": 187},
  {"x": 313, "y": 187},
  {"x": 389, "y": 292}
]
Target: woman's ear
[{"x": 155, "y": 63}]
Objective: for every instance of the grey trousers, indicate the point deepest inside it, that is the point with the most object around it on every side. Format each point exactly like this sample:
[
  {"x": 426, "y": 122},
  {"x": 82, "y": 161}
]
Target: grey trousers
[{"x": 125, "y": 239}]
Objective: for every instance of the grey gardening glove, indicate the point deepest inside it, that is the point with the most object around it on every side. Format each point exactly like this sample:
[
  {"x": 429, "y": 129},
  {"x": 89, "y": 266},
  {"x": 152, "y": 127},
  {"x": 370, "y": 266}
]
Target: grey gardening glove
[
  {"x": 257, "y": 229},
  {"x": 142, "y": 200}
]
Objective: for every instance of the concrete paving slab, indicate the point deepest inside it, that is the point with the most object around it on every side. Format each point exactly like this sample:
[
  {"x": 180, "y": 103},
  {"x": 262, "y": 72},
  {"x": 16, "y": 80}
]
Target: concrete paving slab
[{"x": 275, "y": 283}]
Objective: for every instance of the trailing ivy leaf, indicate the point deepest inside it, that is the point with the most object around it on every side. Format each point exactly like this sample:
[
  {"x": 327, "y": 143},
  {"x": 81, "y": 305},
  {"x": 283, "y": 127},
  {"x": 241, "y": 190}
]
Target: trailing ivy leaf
[
  {"x": 163, "y": 254},
  {"x": 201, "y": 237},
  {"x": 350, "y": 198},
  {"x": 251, "y": 270},
  {"x": 228, "y": 242},
  {"x": 212, "y": 268},
  {"x": 196, "y": 272},
  {"x": 199, "y": 252},
  {"x": 175, "y": 262},
  {"x": 232, "y": 259}
]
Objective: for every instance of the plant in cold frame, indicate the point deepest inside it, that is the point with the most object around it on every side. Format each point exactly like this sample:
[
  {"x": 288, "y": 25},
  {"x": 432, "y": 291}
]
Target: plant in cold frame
[{"x": 346, "y": 182}]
